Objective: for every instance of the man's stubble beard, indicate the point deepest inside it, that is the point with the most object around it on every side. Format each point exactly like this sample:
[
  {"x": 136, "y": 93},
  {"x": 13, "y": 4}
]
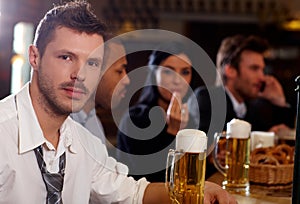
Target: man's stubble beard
[{"x": 48, "y": 99}]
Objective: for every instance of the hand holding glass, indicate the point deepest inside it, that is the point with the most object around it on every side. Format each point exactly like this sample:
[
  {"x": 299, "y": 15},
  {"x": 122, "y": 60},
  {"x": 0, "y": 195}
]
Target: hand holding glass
[{"x": 185, "y": 172}]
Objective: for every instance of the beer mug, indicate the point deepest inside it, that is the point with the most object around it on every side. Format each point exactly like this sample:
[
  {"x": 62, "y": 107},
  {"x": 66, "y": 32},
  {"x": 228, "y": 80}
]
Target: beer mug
[
  {"x": 262, "y": 139},
  {"x": 185, "y": 171},
  {"x": 237, "y": 153}
]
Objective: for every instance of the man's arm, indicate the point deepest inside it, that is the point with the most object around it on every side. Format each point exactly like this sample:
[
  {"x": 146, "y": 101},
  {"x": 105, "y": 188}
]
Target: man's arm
[
  {"x": 213, "y": 193},
  {"x": 156, "y": 193}
]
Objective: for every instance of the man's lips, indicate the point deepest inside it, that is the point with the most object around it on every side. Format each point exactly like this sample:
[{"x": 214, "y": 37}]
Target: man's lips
[{"x": 75, "y": 93}]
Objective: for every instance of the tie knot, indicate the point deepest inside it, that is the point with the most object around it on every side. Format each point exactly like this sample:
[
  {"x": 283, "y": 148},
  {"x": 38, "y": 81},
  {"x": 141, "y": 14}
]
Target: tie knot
[{"x": 54, "y": 182}]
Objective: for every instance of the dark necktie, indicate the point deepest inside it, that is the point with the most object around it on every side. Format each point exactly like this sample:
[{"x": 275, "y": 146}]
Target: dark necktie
[{"x": 53, "y": 181}]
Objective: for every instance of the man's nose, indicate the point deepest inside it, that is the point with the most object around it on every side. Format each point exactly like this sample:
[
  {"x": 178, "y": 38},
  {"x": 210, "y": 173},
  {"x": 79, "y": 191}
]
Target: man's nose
[
  {"x": 79, "y": 72},
  {"x": 126, "y": 79}
]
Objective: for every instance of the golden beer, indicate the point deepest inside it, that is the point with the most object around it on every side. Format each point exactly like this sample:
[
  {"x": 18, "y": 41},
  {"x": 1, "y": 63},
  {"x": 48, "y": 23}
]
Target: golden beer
[
  {"x": 237, "y": 163},
  {"x": 187, "y": 178},
  {"x": 237, "y": 152}
]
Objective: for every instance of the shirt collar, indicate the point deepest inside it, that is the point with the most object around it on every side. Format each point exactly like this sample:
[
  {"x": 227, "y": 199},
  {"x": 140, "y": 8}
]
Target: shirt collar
[
  {"x": 30, "y": 132},
  {"x": 239, "y": 108},
  {"x": 66, "y": 130}
]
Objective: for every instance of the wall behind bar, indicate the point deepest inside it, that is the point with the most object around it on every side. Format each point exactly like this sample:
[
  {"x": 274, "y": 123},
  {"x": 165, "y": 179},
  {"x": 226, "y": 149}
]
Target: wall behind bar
[{"x": 204, "y": 21}]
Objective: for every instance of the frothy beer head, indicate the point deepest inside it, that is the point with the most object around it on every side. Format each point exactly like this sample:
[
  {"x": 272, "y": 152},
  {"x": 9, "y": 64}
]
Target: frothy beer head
[
  {"x": 238, "y": 128},
  {"x": 191, "y": 140}
]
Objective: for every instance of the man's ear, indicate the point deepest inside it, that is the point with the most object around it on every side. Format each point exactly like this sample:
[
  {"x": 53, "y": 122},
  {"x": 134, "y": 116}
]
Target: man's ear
[
  {"x": 230, "y": 71},
  {"x": 34, "y": 57}
]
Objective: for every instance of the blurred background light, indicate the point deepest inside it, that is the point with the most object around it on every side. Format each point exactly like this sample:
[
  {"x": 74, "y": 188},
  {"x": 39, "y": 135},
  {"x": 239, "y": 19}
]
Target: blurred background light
[
  {"x": 17, "y": 63},
  {"x": 23, "y": 35}
]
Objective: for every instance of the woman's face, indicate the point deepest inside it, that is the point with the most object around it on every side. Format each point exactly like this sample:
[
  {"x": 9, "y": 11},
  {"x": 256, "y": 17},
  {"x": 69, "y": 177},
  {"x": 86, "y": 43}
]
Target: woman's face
[{"x": 174, "y": 74}]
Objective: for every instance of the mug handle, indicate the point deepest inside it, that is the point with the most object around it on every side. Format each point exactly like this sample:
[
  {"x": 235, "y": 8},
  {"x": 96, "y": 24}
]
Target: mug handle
[
  {"x": 169, "y": 181},
  {"x": 216, "y": 161}
]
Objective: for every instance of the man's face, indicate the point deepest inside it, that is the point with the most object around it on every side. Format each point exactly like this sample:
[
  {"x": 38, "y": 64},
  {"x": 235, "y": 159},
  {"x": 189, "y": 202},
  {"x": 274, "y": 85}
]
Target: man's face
[
  {"x": 112, "y": 85},
  {"x": 250, "y": 76},
  {"x": 69, "y": 70}
]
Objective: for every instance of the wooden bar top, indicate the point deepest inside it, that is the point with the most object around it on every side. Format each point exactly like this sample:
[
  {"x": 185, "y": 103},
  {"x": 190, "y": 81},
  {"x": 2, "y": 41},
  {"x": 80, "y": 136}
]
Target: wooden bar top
[{"x": 258, "y": 195}]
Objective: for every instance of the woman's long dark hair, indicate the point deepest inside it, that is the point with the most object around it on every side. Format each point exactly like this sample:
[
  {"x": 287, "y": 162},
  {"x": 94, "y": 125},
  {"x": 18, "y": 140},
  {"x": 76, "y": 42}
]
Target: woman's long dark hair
[{"x": 150, "y": 94}]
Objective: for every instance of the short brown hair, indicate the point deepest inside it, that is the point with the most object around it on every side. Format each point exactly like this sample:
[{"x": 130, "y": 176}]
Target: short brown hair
[
  {"x": 232, "y": 47},
  {"x": 76, "y": 15}
]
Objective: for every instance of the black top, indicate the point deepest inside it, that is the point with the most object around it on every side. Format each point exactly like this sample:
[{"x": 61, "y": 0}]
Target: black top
[{"x": 148, "y": 144}]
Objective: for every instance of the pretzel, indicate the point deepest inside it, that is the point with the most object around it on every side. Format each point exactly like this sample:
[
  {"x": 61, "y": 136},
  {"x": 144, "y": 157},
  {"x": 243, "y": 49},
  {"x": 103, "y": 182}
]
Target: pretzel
[
  {"x": 287, "y": 150},
  {"x": 265, "y": 159},
  {"x": 281, "y": 154}
]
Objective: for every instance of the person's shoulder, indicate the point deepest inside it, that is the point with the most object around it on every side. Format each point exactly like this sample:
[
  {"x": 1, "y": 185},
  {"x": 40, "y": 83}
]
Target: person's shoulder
[
  {"x": 6, "y": 108},
  {"x": 8, "y": 123},
  {"x": 139, "y": 110},
  {"x": 139, "y": 115},
  {"x": 82, "y": 131},
  {"x": 204, "y": 90}
]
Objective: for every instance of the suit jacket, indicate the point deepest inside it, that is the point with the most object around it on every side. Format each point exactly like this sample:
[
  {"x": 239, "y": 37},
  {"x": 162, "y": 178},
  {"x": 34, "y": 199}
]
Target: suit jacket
[
  {"x": 261, "y": 114},
  {"x": 216, "y": 110}
]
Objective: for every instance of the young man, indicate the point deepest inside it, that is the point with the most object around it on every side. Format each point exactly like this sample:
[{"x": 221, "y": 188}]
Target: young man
[
  {"x": 247, "y": 93},
  {"x": 250, "y": 94},
  {"x": 110, "y": 91},
  {"x": 44, "y": 155}
]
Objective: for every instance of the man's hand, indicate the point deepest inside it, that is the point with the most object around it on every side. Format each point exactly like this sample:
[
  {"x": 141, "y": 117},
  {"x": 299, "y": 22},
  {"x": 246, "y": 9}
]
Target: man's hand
[
  {"x": 213, "y": 194},
  {"x": 281, "y": 129},
  {"x": 273, "y": 92}
]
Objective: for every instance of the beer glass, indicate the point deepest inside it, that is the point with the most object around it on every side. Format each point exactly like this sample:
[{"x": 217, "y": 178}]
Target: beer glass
[
  {"x": 185, "y": 171},
  {"x": 237, "y": 153},
  {"x": 262, "y": 139}
]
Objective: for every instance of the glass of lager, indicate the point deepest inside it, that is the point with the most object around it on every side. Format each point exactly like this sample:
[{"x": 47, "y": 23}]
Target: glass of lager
[
  {"x": 185, "y": 171},
  {"x": 237, "y": 153}
]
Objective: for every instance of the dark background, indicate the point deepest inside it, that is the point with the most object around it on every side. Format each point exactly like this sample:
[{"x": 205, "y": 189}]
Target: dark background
[{"x": 204, "y": 23}]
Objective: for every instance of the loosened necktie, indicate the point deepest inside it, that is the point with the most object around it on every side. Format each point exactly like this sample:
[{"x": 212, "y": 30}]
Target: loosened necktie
[{"x": 53, "y": 181}]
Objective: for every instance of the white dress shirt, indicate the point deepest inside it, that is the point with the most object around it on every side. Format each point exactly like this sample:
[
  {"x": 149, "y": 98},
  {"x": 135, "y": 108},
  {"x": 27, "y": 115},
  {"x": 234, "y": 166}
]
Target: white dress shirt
[
  {"x": 91, "y": 122},
  {"x": 90, "y": 175}
]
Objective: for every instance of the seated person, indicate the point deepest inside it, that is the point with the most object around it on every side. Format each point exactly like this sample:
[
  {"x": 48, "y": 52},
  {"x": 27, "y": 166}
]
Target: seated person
[
  {"x": 147, "y": 132},
  {"x": 39, "y": 141},
  {"x": 110, "y": 90},
  {"x": 247, "y": 93}
]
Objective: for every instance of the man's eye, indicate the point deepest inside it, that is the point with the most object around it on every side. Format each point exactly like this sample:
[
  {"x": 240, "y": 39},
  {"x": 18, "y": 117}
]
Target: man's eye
[
  {"x": 65, "y": 57},
  {"x": 121, "y": 71},
  {"x": 93, "y": 63}
]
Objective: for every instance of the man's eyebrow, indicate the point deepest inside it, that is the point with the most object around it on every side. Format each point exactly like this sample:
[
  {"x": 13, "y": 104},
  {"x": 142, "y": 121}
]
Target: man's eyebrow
[
  {"x": 99, "y": 59},
  {"x": 65, "y": 52}
]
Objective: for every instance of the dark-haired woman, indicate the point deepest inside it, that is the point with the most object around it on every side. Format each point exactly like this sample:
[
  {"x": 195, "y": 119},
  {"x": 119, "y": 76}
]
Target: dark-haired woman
[{"x": 148, "y": 130}]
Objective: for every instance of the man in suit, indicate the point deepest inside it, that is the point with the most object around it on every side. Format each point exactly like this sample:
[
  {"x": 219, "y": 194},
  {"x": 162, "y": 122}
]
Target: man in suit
[
  {"x": 243, "y": 90},
  {"x": 240, "y": 62}
]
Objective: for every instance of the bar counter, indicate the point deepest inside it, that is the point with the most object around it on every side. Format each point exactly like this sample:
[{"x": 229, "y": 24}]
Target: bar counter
[{"x": 259, "y": 195}]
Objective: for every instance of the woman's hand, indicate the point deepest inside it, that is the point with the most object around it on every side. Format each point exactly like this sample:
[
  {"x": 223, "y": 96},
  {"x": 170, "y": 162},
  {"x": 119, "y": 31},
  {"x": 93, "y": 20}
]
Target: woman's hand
[{"x": 177, "y": 114}]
